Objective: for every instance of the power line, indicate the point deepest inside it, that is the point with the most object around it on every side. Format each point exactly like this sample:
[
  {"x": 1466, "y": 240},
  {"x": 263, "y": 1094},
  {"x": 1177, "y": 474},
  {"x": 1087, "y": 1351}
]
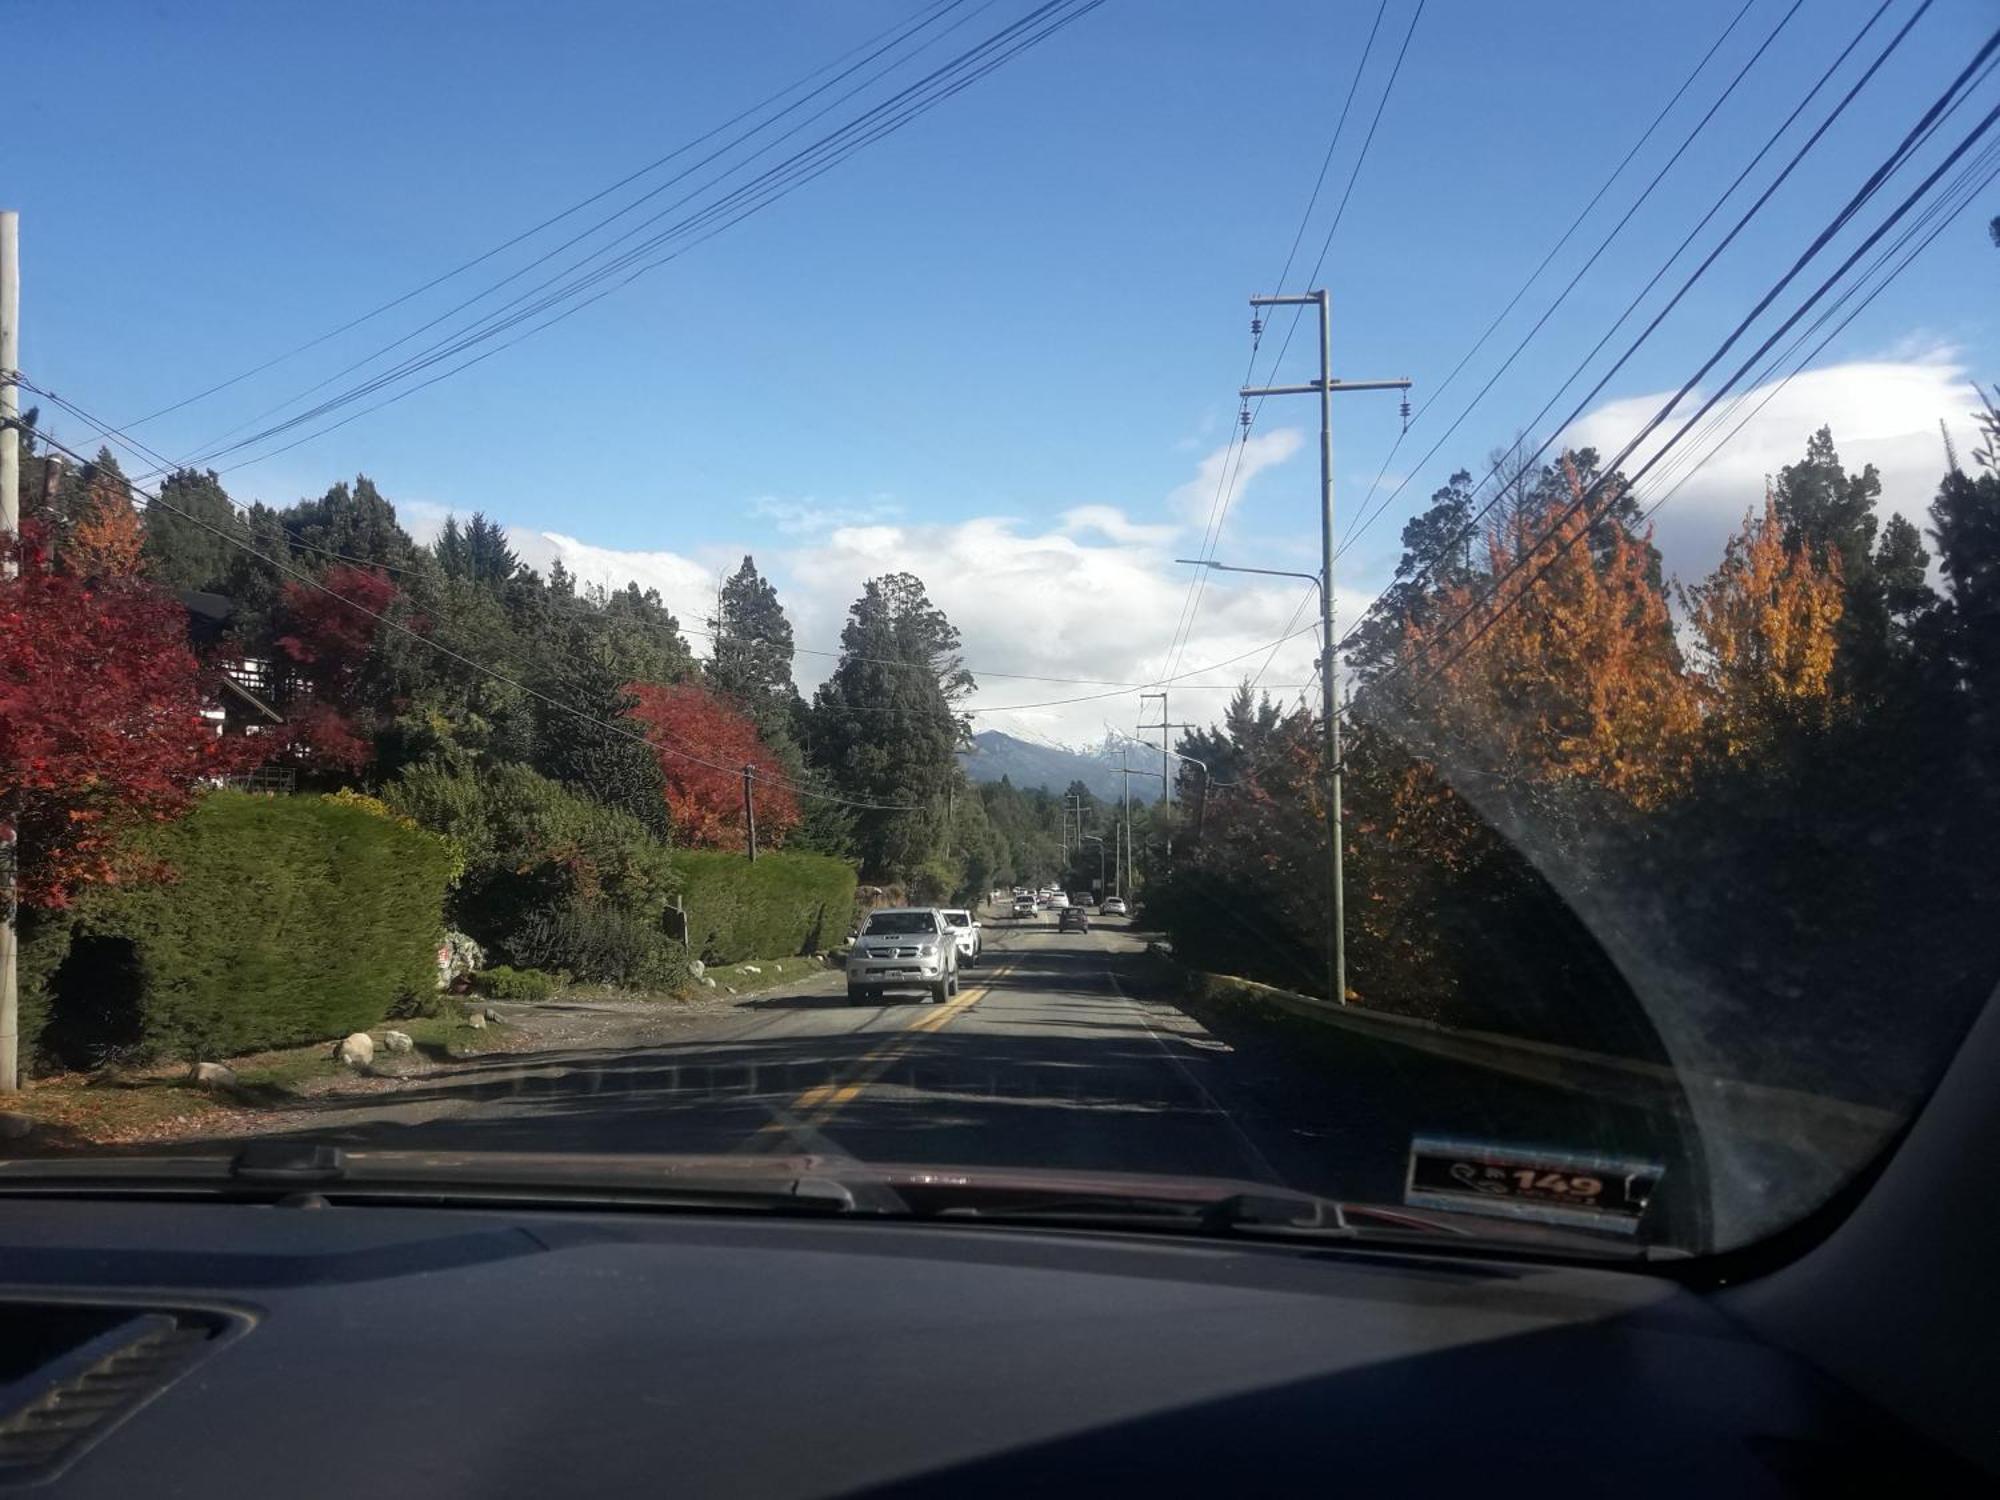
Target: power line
[
  {"x": 462, "y": 659},
  {"x": 873, "y": 124},
  {"x": 1225, "y": 495},
  {"x": 1861, "y": 197},
  {"x": 922, "y": 18},
  {"x": 1211, "y": 529},
  {"x": 588, "y": 610},
  {"x": 1589, "y": 493},
  {"x": 1365, "y": 517}
]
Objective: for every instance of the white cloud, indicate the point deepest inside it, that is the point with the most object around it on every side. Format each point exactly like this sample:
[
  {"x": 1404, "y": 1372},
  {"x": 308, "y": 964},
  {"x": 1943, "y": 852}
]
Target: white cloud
[
  {"x": 687, "y": 586},
  {"x": 1111, "y": 522},
  {"x": 1881, "y": 411},
  {"x": 799, "y": 517},
  {"x": 1195, "y": 501}
]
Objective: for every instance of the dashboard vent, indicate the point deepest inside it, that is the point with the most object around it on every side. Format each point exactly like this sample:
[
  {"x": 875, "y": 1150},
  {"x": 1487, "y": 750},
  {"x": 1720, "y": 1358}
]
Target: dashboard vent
[{"x": 74, "y": 1372}]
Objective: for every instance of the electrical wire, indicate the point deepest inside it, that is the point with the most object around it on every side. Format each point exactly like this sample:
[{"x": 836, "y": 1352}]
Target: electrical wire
[
  {"x": 916, "y": 22},
  {"x": 299, "y": 575},
  {"x": 830, "y": 150},
  {"x": 1366, "y": 518},
  {"x": 1860, "y": 198}
]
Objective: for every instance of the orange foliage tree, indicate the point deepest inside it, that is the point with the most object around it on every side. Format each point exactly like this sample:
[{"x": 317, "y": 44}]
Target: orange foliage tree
[
  {"x": 702, "y": 745},
  {"x": 1573, "y": 677},
  {"x": 106, "y": 540},
  {"x": 1766, "y": 621}
]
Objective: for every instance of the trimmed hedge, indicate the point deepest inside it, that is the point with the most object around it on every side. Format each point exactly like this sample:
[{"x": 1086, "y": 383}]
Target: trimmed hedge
[
  {"x": 504, "y": 983},
  {"x": 777, "y": 907},
  {"x": 281, "y": 920}
]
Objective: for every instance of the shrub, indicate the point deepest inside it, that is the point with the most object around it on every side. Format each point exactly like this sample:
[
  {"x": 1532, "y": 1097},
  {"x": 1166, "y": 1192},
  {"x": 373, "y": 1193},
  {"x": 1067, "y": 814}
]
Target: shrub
[
  {"x": 595, "y": 940},
  {"x": 284, "y": 920},
  {"x": 552, "y": 878},
  {"x": 778, "y": 906},
  {"x": 505, "y": 983}
]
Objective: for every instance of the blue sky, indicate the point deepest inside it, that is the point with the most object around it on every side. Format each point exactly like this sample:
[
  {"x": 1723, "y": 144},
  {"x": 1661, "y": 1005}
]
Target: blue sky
[{"x": 1027, "y": 303}]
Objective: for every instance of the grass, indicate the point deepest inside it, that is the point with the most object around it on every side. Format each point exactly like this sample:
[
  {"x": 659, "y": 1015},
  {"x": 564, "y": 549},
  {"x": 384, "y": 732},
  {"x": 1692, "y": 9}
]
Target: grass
[
  {"x": 118, "y": 1106},
  {"x": 774, "y": 972}
]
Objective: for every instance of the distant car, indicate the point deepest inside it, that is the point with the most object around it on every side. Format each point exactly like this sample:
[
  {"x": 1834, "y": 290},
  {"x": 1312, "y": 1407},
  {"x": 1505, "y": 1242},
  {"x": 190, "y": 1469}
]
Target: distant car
[
  {"x": 903, "y": 947},
  {"x": 1073, "y": 919},
  {"x": 1024, "y": 906},
  {"x": 966, "y": 930},
  {"x": 1080, "y": 898},
  {"x": 1114, "y": 906}
]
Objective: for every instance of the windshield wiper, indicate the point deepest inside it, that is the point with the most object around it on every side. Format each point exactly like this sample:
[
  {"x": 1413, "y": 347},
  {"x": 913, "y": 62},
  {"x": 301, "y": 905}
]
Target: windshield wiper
[{"x": 311, "y": 1173}]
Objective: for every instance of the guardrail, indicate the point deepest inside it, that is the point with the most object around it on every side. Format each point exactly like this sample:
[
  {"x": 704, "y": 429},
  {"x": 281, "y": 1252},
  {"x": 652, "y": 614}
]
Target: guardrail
[{"x": 1841, "y": 1128}]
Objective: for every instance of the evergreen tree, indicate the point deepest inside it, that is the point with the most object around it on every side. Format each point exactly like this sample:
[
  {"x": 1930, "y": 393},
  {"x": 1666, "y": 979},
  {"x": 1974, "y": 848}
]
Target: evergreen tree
[
  {"x": 884, "y": 726},
  {"x": 355, "y": 525},
  {"x": 603, "y": 756},
  {"x": 752, "y": 656},
  {"x": 183, "y": 550}
]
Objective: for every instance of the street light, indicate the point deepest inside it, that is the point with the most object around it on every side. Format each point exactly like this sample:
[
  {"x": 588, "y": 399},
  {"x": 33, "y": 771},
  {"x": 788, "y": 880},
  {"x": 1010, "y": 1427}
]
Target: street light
[
  {"x": 1220, "y": 567},
  {"x": 1207, "y": 776}
]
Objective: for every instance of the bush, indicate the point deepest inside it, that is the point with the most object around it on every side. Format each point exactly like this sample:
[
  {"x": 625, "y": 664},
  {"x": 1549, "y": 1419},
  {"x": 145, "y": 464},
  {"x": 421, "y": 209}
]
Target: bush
[
  {"x": 553, "y": 880},
  {"x": 777, "y": 907},
  {"x": 505, "y": 983},
  {"x": 594, "y": 940},
  {"x": 281, "y": 920}
]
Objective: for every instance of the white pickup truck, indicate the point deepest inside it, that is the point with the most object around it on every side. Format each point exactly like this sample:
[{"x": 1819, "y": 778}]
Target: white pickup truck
[
  {"x": 903, "y": 947},
  {"x": 965, "y": 927}
]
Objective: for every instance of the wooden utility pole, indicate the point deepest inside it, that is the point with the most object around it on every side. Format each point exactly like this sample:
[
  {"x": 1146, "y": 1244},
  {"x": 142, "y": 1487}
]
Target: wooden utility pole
[
  {"x": 749, "y": 811},
  {"x": 10, "y": 528},
  {"x": 1329, "y": 665}
]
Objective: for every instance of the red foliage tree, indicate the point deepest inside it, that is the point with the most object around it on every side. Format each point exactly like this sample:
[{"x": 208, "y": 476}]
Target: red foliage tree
[
  {"x": 705, "y": 795},
  {"x": 100, "y": 721},
  {"x": 329, "y": 636}
]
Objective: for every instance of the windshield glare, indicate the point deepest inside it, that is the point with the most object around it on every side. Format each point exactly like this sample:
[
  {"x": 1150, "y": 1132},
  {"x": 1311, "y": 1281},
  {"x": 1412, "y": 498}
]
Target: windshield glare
[{"x": 1493, "y": 621}]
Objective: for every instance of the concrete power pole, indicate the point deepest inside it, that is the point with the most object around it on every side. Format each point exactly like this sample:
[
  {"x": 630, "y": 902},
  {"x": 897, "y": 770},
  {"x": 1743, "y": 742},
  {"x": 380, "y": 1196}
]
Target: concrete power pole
[
  {"x": 1329, "y": 665},
  {"x": 749, "y": 811},
  {"x": 10, "y": 526}
]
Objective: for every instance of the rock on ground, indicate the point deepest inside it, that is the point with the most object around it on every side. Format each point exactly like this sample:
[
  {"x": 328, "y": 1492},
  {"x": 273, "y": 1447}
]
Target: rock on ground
[
  {"x": 750, "y": 969},
  {"x": 212, "y": 1075},
  {"x": 357, "y": 1051},
  {"x": 477, "y": 1020},
  {"x": 398, "y": 1041},
  {"x": 697, "y": 968}
]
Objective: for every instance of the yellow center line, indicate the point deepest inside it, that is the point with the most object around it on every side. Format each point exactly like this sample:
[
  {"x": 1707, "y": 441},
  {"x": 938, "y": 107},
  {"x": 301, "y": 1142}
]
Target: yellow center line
[{"x": 820, "y": 1103}]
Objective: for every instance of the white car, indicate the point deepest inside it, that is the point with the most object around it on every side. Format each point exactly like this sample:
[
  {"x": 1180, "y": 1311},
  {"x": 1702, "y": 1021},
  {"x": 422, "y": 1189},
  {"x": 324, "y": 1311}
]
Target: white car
[
  {"x": 1114, "y": 906},
  {"x": 966, "y": 929},
  {"x": 903, "y": 947},
  {"x": 1024, "y": 906}
]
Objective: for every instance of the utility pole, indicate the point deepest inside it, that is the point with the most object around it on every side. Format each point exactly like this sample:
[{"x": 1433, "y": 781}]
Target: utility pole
[
  {"x": 749, "y": 811},
  {"x": 10, "y": 527},
  {"x": 1329, "y": 666}
]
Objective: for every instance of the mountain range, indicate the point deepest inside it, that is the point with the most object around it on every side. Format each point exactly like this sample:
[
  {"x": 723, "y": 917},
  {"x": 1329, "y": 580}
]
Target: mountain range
[{"x": 995, "y": 754}]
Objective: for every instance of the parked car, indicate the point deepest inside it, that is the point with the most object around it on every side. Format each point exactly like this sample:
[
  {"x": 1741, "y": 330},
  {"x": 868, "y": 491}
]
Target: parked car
[
  {"x": 1024, "y": 906},
  {"x": 903, "y": 947},
  {"x": 1114, "y": 906},
  {"x": 1073, "y": 919},
  {"x": 965, "y": 928}
]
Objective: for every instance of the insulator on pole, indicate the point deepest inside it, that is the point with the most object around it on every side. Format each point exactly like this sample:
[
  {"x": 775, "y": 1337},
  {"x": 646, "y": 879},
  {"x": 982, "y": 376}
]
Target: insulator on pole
[
  {"x": 1406, "y": 414},
  {"x": 1256, "y": 328}
]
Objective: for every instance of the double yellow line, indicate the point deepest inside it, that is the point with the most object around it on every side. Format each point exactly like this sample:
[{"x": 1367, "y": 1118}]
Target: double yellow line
[{"x": 812, "y": 1109}]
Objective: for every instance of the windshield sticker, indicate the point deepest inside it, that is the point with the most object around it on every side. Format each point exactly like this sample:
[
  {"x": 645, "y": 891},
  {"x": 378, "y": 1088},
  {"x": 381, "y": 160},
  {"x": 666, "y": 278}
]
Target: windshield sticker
[{"x": 1538, "y": 1184}]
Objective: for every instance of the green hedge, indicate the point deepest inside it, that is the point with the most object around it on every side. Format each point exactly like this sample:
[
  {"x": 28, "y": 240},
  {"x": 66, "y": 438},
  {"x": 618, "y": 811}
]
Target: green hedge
[
  {"x": 281, "y": 920},
  {"x": 778, "y": 906},
  {"x": 553, "y": 879}
]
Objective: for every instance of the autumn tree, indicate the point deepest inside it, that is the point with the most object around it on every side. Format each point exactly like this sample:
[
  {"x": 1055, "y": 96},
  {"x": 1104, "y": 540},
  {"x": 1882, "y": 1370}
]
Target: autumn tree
[
  {"x": 702, "y": 745},
  {"x": 105, "y": 540},
  {"x": 1559, "y": 668},
  {"x": 327, "y": 641},
  {"x": 100, "y": 721},
  {"x": 1767, "y": 620}
]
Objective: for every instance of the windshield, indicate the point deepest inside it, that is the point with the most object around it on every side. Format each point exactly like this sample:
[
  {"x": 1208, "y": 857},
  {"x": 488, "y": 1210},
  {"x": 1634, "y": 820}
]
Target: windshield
[
  {"x": 900, "y": 922},
  {"x": 1488, "y": 600}
]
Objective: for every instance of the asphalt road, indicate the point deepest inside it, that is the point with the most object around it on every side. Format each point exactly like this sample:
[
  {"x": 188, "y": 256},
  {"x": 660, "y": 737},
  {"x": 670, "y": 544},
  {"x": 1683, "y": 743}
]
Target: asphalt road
[{"x": 1054, "y": 1054}]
